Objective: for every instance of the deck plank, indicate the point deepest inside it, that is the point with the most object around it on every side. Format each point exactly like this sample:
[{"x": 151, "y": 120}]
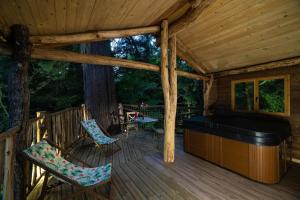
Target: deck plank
[{"x": 140, "y": 173}]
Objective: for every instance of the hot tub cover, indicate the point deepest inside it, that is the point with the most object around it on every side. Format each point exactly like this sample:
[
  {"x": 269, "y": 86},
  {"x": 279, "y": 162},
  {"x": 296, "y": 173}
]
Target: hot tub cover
[{"x": 249, "y": 128}]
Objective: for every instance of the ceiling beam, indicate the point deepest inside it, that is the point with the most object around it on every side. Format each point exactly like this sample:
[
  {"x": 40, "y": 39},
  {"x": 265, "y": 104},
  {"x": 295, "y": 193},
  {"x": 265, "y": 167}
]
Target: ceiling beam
[
  {"x": 190, "y": 16},
  {"x": 67, "y": 56},
  {"x": 260, "y": 67},
  {"x": 90, "y": 37}
]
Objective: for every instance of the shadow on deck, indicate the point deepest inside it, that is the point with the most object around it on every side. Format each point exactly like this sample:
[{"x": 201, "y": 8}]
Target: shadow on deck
[{"x": 140, "y": 173}]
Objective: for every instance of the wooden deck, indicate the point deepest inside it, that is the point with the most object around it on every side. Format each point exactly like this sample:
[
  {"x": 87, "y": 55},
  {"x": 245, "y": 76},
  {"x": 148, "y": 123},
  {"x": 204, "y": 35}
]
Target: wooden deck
[{"x": 140, "y": 173}]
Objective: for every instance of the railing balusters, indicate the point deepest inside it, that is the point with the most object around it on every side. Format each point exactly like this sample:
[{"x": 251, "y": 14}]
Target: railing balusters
[{"x": 183, "y": 112}]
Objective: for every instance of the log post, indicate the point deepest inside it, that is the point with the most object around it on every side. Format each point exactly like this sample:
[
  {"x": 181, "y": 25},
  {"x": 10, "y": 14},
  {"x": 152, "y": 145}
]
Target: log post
[
  {"x": 168, "y": 156},
  {"x": 18, "y": 98},
  {"x": 169, "y": 85},
  {"x": 207, "y": 94},
  {"x": 173, "y": 99},
  {"x": 9, "y": 167}
]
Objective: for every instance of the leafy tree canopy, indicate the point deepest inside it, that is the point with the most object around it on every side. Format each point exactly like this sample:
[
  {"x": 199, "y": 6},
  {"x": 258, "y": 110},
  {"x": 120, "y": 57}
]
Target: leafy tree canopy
[
  {"x": 134, "y": 86},
  {"x": 53, "y": 86}
]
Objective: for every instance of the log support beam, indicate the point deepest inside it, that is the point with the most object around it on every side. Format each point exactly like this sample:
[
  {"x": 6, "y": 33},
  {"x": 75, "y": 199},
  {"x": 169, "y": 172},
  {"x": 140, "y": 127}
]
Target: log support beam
[
  {"x": 67, "y": 56},
  {"x": 169, "y": 85},
  {"x": 18, "y": 98},
  {"x": 58, "y": 40},
  {"x": 260, "y": 67},
  {"x": 207, "y": 95}
]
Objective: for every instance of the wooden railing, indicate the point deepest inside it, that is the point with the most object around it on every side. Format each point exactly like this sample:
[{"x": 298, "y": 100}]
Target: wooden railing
[
  {"x": 157, "y": 111},
  {"x": 62, "y": 127},
  {"x": 7, "y": 157}
]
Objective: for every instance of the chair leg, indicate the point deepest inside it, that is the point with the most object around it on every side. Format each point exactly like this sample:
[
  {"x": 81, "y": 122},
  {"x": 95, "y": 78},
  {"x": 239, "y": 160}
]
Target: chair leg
[{"x": 44, "y": 187}]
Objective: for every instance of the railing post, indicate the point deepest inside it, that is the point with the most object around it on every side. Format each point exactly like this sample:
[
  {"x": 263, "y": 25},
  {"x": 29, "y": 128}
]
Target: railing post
[
  {"x": 8, "y": 188},
  {"x": 41, "y": 125}
]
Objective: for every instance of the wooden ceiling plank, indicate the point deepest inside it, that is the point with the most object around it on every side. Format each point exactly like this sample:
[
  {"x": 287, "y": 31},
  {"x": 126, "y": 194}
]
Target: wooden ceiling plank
[
  {"x": 267, "y": 43},
  {"x": 46, "y": 22},
  {"x": 170, "y": 11},
  {"x": 259, "y": 33},
  {"x": 9, "y": 14},
  {"x": 25, "y": 13},
  {"x": 159, "y": 10},
  {"x": 61, "y": 15},
  {"x": 185, "y": 55},
  {"x": 84, "y": 12},
  {"x": 236, "y": 28},
  {"x": 90, "y": 37},
  {"x": 71, "y": 25},
  {"x": 189, "y": 17},
  {"x": 265, "y": 66},
  {"x": 213, "y": 20}
]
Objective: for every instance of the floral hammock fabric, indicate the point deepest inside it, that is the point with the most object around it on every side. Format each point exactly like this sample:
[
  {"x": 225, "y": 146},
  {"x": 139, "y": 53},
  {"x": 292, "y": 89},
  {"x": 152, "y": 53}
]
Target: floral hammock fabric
[
  {"x": 47, "y": 155},
  {"x": 96, "y": 133}
]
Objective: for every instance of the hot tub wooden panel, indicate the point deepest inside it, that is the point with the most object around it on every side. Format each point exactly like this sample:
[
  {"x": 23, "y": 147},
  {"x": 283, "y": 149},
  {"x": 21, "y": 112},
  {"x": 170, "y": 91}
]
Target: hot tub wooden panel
[
  {"x": 235, "y": 156},
  {"x": 264, "y": 163},
  {"x": 260, "y": 163}
]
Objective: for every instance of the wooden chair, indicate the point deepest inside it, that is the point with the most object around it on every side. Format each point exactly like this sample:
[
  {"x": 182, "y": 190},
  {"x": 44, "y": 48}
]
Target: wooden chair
[
  {"x": 56, "y": 162},
  {"x": 131, "y": 121},
  {"x": 99, "y": 136}
]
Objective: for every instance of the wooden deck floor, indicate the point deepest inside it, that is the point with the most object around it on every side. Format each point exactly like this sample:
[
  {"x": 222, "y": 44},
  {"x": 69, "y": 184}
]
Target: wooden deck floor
[{"x": 140, "y": 173}]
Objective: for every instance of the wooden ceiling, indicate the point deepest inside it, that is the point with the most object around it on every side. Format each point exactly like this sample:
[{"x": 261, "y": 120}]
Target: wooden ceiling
[
  {"x": 45, "y": 17},
  {"x": 229, "y": 34},
  {"x": 234, "y": 33}
]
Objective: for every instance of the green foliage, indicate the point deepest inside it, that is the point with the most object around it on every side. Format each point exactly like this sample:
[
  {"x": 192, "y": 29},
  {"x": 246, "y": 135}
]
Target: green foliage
[
  {"x": 53, "y": 86},
  {"x": 4, "y": 63},
  {"x": 135, "y": 86},
  {"x": 271, "y": 95}
]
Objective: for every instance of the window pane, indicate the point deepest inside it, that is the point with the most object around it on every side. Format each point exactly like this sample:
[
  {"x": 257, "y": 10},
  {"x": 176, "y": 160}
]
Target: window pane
[
  {"x": 271, "y": 95},
  {"x": 244, "y": 94}
]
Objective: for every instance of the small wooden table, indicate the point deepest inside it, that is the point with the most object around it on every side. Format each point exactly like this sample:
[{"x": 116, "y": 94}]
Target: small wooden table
[{"x": 145, "y": 120}]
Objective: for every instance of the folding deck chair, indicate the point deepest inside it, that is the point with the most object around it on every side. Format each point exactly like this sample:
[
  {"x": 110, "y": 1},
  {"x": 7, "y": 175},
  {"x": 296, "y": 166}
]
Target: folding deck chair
[
  {"x": 54, "y": 161},
  {"x": 97, "y": 135}
]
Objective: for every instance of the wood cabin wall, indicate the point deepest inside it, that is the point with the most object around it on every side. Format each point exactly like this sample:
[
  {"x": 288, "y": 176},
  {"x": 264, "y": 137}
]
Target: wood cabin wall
[{"x": 223, "y": 97}]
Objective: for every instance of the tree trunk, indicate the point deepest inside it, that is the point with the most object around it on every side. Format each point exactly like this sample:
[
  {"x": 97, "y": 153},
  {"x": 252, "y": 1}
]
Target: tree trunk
[
  {"x": 99, "y": 88},
  {"x": 18, "y": 98}
]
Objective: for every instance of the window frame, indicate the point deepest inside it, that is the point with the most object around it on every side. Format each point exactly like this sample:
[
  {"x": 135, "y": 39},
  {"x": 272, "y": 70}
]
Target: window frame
[{"x": 255, "y": 81}]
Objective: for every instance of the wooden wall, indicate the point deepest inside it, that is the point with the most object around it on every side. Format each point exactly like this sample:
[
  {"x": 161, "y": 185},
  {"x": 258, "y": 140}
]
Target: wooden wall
[{"x": 223, "y": 100}]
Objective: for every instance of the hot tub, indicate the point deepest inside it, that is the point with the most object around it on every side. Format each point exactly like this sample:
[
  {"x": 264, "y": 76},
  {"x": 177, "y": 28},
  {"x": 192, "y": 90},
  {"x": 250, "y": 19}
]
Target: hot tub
[{"x": 255, "y": 146}]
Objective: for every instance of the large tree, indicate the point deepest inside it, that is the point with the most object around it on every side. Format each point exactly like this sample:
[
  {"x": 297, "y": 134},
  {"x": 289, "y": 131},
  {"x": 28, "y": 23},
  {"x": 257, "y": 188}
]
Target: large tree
[{"x": 99, "y": 89}]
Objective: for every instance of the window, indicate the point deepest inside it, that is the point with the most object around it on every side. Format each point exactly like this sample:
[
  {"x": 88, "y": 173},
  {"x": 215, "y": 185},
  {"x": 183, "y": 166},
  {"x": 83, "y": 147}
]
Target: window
[
  {"x": 244, "y": 96},
  {"x": 266, "y": 95}
]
